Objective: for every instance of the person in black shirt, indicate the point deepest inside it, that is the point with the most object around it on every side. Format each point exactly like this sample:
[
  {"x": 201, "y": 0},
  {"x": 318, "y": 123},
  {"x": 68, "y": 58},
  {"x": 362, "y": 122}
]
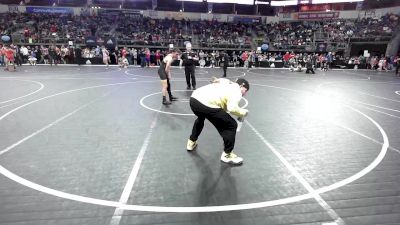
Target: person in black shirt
[
  {"x": 38, "y": 53},
  {"x": 18, "y": 56},
  {"x": 52, "y": 55},
  {"x": 78, "y": 55},
  {"x": 190, "y": 60},
  {"x": 309, "y": 64},
  {"x": 225, "y": 58}
]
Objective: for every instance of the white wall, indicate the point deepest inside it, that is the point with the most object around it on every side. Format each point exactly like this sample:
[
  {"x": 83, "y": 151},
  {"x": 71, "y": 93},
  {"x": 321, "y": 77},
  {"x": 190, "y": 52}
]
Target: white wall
[
  {"x": 11, "y": 8},
  {"x": 3, "y": 8},
  {"x": 77, "y": 11},
  {"x": 350, "y": 14},
  {"x": 273, "y": 19}
]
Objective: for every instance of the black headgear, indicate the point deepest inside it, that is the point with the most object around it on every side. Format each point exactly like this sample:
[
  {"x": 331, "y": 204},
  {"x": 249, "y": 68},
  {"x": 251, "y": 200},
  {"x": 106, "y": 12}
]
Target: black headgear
[{"x": 243, "y": 82}]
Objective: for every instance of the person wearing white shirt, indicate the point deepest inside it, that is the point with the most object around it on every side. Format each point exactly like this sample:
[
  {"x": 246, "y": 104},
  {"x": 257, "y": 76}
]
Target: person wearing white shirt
[{"x": 215, "y": 102}]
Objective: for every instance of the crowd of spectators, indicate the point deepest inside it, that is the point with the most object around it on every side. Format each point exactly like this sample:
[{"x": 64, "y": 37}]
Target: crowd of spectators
[
  {"x": 139, "y": 30},
  {"x": 146, "y": 57},
  {"x": 284, "y": 35},
  {"x": 153, "y": 33},
  {"x": 44, "y": 28},
  {"x": 217, "y": 34}
]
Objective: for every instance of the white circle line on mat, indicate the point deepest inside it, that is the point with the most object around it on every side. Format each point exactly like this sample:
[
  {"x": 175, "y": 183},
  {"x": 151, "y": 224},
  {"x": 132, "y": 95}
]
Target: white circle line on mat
[
  {"x": 282, "y": 201},
  {"x": 173, "y": 113},
  {"x": 32, "y": 93}
]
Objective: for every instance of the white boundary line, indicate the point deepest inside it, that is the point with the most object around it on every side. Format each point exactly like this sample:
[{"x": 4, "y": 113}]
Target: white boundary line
[
  {"x": 375, "y": 110},
  {"x": 363, "y": 103},
  {"x": 61, "y": 93},
  {"x": 64, "y": 78},
  {"x": 34, "y": 92},
  {"x": 287, "y": 200},
  {"x": 4, "y": 106},
  {"x": 376, "y": 106},
  {"x": 78, "y": 78},
  {"x": 280, "y": 76},
  {"x": 362, "y": 135},
  {"x": 197, "y": 79},
  {"x": 285, "y": 74},
  {"x": 75, "y": 72},
  {"x": 50, "y": 125},
  {"x": 397, "y": 92},
  {"x": 73, "y": 65},
  {"x": 299, "y": 177},
  {"x": 116, "y": 218},
  {"x": 276, "y": 87},
  {"x": 180, "y": 72},
  {"x": 380, "y": 97},
  {"x": 356, "y": 81},
  {"x": 356, "y": 132},
  {"x": 371, "y": 166}
]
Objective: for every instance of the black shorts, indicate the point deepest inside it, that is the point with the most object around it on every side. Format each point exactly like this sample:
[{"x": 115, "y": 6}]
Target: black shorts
[{"x": 162, "y": 74}]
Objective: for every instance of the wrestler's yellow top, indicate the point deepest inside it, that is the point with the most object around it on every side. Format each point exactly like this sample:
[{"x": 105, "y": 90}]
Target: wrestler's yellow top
[{"x": 224, "y": 94}]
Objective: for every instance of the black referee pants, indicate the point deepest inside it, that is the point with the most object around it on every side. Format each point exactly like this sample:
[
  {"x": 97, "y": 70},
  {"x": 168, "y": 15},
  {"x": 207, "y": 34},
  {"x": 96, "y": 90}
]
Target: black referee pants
[
  {"x": 224, "y": 123},
  {"x": 189, "y": 73},
  {"x": 225, "y": 67}
]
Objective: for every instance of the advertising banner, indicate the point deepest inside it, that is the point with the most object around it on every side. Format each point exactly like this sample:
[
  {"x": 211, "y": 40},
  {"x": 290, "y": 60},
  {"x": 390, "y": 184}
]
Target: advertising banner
[
  {"x": 56, "y": 10},
  {"x": 318, "y": 15},
  {"x": 117, "y": 12},
  {"x": 90, "y": 41},
  {"x": 246, "y": 19}
]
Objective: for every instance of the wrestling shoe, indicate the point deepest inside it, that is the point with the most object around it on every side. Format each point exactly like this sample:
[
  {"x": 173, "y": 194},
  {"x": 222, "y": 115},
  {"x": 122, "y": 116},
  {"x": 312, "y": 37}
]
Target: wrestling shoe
[
  {"x": 165, "y": 102},
  {"x": 191, "y": 145},
  {"x": 231, "y": 158}
]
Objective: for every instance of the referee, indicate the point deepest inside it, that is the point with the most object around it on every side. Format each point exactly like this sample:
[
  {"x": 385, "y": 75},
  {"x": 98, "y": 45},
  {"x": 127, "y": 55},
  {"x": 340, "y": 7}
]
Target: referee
[{"x": 190, "y": 60}]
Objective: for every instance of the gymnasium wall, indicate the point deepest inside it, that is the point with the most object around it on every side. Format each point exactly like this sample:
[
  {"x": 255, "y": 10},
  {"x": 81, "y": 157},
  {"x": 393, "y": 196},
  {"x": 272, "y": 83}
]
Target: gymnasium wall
[{"x": 350, "y": 14}]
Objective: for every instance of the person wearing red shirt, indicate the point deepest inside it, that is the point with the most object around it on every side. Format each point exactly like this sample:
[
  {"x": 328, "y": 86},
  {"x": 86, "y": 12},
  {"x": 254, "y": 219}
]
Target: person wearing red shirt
[
  {"x": 158, "y": 57},
  {"x": 53, "y": 28},
  {"x": 124, "y": 52},
  {"x": 286, "y": 58},
  {"x": 9, "y": 53}
]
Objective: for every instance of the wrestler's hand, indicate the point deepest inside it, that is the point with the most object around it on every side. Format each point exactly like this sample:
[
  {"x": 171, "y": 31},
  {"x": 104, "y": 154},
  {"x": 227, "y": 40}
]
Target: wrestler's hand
[
  {"x": 241, "y": 118},
  {"x": 214, "y": 80}
]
